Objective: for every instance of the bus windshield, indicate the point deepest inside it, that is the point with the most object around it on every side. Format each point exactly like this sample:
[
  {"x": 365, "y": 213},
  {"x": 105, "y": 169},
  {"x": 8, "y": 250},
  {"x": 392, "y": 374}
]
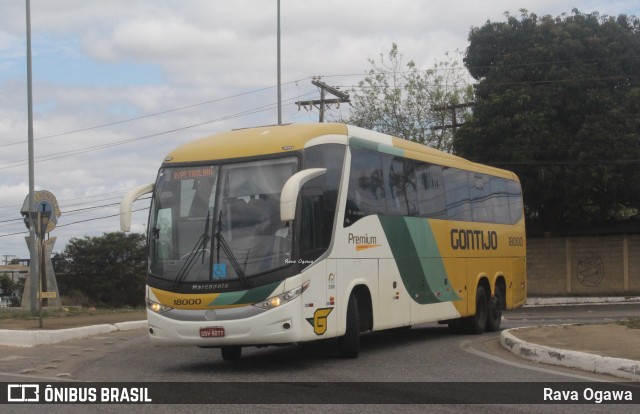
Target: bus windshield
[{"x": 216, "y": 223}]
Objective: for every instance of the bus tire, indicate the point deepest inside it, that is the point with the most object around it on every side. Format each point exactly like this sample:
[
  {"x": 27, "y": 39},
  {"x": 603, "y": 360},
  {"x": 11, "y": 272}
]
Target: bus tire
[
  {"x": 231, "y": 353},
  {"x": 476, "y": 324},
  {"x": 349, "y": 344},
  {"x": 494, "y": 317}
]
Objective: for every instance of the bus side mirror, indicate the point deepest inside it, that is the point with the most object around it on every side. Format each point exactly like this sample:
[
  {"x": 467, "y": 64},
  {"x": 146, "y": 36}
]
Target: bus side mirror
[
  {"x": 291, "y": 189},
  {"x": 127, "y": 203}
]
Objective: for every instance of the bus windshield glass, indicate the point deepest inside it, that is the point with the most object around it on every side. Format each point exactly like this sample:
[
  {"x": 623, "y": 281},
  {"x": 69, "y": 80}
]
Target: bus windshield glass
[{"x": 219, "y": 223}]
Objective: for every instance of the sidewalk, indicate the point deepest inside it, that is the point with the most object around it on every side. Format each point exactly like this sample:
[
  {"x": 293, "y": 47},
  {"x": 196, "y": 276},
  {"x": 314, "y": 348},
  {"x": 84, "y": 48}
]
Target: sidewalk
[
  {"x": 604, "y": 348},
  {"x": 26, "y": 332}
]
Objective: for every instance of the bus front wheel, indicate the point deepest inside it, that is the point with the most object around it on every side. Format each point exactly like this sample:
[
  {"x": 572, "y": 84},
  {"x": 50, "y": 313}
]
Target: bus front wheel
[{"x": 349, "y": 344}]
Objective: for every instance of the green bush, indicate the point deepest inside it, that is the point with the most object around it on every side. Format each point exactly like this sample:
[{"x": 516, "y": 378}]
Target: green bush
[{"x": 109, "y": 270}]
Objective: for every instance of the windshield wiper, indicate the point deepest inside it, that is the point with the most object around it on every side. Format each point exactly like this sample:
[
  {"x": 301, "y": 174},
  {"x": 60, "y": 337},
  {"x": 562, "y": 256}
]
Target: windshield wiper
[
  {"x": 205, "y": 236},
  {"x": 222, "y": 243},
  {"x": 201, "y": 243}
]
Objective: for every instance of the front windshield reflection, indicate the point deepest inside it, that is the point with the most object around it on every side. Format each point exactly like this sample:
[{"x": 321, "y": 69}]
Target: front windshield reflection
[{"x": 220, "y": 223}]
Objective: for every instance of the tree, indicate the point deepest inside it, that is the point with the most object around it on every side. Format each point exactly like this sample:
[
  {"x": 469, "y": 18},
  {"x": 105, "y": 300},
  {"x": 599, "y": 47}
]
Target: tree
[
  {"x": 557, "y": 102},
  {"x": 10, "y": 289},
  {"x": 109, "y": 269},
  {"x": 399, "y": 99}
]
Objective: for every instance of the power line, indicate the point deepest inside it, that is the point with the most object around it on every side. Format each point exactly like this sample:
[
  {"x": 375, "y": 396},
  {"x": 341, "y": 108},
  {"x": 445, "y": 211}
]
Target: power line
[
  {"x": 522, "y": 82},
  {"x": 565, "y": 162},
  {"x": 69, "y": 153},
  {"x": 498, "y": 66},
  {"x": 67, "y": 212},
  {"x": 151, "y": 115},
  {"x": 66, "y": 203},
  {"x": 76, "y": 222},
  {"x": 456, "y": 68},
  {"x": 98, "y": 218}
]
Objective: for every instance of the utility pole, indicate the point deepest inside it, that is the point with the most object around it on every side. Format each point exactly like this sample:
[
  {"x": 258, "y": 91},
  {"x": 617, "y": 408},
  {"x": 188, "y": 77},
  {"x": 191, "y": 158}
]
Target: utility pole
[
  {"x": 321, "y": 103},
  {"x": 32, "y": 232},
  {"x": 279, "y": 72},
  {"x": 454, "y": 122}
]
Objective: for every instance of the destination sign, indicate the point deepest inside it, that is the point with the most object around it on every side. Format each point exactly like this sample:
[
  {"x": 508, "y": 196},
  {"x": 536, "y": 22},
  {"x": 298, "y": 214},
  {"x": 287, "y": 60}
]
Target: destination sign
[{"x": 191, "y": 173}]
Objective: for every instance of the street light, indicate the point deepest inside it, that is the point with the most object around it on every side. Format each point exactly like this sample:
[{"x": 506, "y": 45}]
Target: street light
[
  {"x": 279, "y": 71},
  {"x": 32, "y": 230}
]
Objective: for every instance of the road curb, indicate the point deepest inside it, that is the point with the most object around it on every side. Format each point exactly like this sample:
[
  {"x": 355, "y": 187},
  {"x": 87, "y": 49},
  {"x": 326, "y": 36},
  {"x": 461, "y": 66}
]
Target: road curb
[
  {"x": 31, "y": 338},
  {"x": 579, "y": 300},
  {"x": 619, "y": 367}
]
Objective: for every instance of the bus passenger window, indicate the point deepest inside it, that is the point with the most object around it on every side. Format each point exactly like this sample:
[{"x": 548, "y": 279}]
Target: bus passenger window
[
  {"x": 457, "y": 194},
  {"x": 400, "y": 180},
  {"x": 431, "y": 191},
  {"x": 515, "y": 201},
  {"x": 366, "y": 194},
  {"x": 480, "y": 194},
  {"x": 500, "y": 200}
]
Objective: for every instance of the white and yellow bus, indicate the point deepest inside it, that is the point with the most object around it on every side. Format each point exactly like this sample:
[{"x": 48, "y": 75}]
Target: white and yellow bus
[{"x": 297, "y": 233}]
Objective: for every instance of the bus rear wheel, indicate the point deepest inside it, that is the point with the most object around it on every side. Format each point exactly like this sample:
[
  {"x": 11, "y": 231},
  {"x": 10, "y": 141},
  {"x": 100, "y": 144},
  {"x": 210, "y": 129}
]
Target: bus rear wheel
[
  {"x": 494, "y": 318},
  {"x": 231, "y": 353},
  {"x": 476, "y": 324}
]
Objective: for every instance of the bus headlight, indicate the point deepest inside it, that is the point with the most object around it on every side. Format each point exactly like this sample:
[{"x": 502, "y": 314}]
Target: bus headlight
[
  {"x": 157, "y": 307},
  {"x": 283, "y": 298}
]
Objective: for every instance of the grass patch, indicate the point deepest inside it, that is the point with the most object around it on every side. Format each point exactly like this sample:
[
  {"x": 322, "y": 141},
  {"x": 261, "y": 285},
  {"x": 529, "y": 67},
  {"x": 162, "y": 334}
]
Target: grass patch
[{"x": 633, "y": 323}]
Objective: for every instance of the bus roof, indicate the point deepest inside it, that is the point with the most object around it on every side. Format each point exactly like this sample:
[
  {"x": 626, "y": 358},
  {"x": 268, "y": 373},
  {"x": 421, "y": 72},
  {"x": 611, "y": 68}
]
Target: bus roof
[
  {"x": 251, "y": 142},
  {"x": 278, "y": 139}
]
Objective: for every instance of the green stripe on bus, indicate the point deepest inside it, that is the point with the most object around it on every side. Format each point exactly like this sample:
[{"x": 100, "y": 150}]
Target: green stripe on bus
[
  {"x": 416, "y": 253},
  {"x": 259, "y": 294},
  {"x": 228, "y": 298},
  {"x": 251, "y": 296}
]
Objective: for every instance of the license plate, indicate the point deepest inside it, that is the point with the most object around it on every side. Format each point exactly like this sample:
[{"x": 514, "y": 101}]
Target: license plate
[{"x": 212, "y": 332}]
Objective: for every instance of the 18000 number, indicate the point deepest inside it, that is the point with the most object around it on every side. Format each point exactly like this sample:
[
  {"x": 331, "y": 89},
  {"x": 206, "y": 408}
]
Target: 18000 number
[
  {"x": 516, "y": 241},
  {"x": 187, "y": 302}
]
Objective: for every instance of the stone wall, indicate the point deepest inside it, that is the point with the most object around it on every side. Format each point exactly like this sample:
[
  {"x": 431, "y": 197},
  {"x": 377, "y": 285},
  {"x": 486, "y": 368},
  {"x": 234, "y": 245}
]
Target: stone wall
[{"x": 584, "y": 266}]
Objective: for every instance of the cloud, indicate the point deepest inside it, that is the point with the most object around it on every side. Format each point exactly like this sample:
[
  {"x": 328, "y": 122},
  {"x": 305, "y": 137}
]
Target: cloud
[{"x": 156, "y": 40}]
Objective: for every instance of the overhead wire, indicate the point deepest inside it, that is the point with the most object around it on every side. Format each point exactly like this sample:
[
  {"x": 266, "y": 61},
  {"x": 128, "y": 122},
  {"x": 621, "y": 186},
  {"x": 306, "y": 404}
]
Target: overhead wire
[
  {"x": 11, "y": 164},
  {"x": 75, "y": 222},
  {"x": 151, "y": 115},
  {"x": 68, "y": 153},
  {"x": 103, "y": 146},
  {"x": 72, "y": 212}
]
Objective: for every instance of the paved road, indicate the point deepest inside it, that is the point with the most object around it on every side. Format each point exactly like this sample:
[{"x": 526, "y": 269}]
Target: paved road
[
  {"x": 423, "y": 354},
  {"x": 535, "y": 315}
]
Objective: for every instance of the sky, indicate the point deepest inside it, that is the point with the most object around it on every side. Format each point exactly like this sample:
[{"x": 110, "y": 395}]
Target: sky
[{"x": 118, "y": 84}]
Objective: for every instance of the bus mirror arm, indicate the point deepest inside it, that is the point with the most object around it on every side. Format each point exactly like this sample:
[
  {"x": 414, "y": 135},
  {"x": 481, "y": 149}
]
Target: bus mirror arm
[
  {"x": 291, "y": 189},
  {"x": 127, "y": 203}
]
